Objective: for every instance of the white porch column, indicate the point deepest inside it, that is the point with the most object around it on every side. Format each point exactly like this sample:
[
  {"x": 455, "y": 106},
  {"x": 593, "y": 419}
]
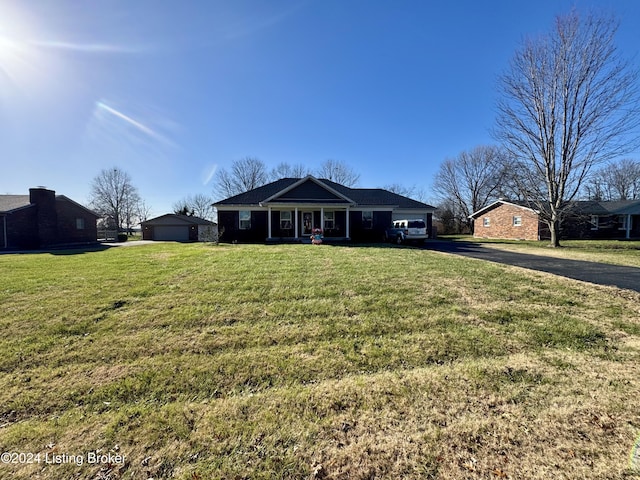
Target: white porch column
[
  {"x": 269, "y": 221},
  {"x": 296, "y": 235},
  {"x": 628, "y": 226},
  {"x": 322, "y": 218},
  {"x": 347, "y": 223}
]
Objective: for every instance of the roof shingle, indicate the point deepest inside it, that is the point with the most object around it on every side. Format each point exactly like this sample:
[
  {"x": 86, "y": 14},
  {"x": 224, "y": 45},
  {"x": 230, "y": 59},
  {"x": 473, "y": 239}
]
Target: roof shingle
[
  {"x": 13, "y": 202},
  {"x": 362, "y": 196}
]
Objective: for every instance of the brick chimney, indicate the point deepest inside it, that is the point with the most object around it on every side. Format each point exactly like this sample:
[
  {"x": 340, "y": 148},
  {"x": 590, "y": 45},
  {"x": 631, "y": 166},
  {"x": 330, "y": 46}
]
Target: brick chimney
[{"x": 47, "y": 216}]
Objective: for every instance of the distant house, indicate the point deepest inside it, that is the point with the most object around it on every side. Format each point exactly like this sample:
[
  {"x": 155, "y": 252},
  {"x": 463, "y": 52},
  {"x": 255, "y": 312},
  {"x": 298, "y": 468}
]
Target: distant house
[
  {"x": 599, "y": 219},
  {"x": 586, "y": 219},
  {"x": 179, "y": 228},
  {"x": 44, "y": 219},
  {"x": 290, "y": 208}
]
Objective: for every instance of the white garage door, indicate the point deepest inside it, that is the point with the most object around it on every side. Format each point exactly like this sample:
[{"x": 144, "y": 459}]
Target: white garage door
[{"x": 171, "y": 233}]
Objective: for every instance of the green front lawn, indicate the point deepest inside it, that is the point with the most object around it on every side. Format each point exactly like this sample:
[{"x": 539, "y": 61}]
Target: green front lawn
[{"x": 301, "y": 361}]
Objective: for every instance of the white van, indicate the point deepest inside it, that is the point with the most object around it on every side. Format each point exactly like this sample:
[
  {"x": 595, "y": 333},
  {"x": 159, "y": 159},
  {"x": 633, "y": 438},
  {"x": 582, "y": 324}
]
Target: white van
[{"x": 402, "y": 231}]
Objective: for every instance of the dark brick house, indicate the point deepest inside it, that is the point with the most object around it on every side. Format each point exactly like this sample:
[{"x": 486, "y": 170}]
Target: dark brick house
[
  {"x": 43, "y": 219},
  {"x": 585, "y": 220},
  {"x": 288, "y": 209}
]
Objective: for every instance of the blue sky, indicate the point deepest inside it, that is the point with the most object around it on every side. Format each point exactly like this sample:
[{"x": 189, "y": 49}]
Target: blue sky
[{"x": 170, "y": 91}]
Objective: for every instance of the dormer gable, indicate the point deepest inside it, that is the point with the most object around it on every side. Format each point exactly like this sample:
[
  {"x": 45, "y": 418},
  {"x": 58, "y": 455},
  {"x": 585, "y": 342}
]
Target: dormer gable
[{"x": 308, "y": 190}]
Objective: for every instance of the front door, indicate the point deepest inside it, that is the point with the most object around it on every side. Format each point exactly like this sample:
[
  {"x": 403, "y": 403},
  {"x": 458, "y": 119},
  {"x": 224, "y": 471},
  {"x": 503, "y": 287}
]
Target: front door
[{"x": 307, "y": 223}]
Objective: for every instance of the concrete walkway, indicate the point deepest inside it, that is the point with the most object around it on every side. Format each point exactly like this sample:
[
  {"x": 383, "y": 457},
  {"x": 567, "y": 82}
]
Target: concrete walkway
[{"x": 592, "y": 272}]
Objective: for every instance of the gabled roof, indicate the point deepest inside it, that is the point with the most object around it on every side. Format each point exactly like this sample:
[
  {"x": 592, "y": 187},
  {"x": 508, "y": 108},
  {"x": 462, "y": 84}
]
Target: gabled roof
[
  {"x": 9, "y": 203},
  {"x": 379, "y": 197},
  {"x": 602, "y": 208},
  {"x": 630, "y": 207},
  {"x": 13, "y": 202},
  {"x": 177, "y": 219},
  {"x": 309, "y": 189},
  {"x": 578, "y": 207},
  {"x": 257, "y": 195},
  {"x": 65, "y": 198},
  {"x": 283, "y": 191},
  {"x": 499, "y": 202}
]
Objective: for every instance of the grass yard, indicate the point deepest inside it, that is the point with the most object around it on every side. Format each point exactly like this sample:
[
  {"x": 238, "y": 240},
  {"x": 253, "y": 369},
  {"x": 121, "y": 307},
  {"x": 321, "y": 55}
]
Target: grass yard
[
  {"x": 300, "y": 361},
  {"x": 616, "y": 252}
]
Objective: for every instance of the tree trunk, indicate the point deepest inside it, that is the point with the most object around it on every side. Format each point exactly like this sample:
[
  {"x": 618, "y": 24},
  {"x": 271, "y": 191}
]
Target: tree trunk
[{"x": 554, "y": 229}]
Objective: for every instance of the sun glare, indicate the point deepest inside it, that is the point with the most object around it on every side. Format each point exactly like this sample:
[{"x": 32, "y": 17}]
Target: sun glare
[
  {"x": 21, "y": 64},
  {"x": 9, "y": 53}
]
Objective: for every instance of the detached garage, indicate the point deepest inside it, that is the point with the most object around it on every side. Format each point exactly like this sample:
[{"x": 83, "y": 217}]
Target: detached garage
[{"x": 179, "y": 228}]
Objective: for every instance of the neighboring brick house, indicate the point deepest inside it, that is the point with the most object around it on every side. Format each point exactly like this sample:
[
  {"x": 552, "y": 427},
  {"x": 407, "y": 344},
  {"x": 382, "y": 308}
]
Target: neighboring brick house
[
  {"x": 585, "y": 219},
  {"x": 508, "y": 220},
  {"x": 44, "y": 219}
]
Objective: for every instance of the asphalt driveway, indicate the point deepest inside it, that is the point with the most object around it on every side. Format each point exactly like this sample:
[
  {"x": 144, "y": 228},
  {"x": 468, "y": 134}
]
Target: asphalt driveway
[{"x": 593, "y": 272}]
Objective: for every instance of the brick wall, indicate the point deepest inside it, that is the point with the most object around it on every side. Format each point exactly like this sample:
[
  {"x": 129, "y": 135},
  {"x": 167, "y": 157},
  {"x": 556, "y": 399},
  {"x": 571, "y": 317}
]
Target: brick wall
[
  {"x": 501, "y": 223},
  {"x": 75, "y": 224},
  {"x": 22, "y": 228},
  {"x": 46, "y": 215}
]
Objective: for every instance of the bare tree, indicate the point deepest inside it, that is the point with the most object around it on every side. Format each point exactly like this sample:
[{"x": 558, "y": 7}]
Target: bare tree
[
  {"x": 338, "y": 172},
  {"x": 470, "y": 180},
  {"x": 144, "y": 210},
  {"x": 131, "y": 210},
  {"x": 198, "y": 205},
  {"x": 286, "y": 170},
  {"x": 450, "y": 219},
  {"x": 567, "y": 102},
  {"x": 407, "y": 191},
  {"x": 616, "y": 181},
  {"x": 246, "y": 174},
  {"x": 114, "y": 196}
]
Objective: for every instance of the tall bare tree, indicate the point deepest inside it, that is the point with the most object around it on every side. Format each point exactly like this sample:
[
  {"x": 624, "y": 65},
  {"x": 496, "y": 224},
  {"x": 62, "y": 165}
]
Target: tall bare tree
[
  {"x": 471, "y": 179},
  {"x": 286, "y": 170},
  {"x": 449, "y": 218},
  {"x": 339, "y": 172},
  {"x": 113, "y": 196},
  {"x": 567, "y": 102},
  {"x": 412, "y": 191},
  {"x": 144, "y": 211},
  {"x": 615, "y": 181},
  {"x": 246, "y": 174},
  {"x": 199, "y": 205}
]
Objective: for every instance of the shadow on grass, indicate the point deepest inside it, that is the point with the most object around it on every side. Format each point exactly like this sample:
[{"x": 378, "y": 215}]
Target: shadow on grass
[{"x": 62, "y": 250}]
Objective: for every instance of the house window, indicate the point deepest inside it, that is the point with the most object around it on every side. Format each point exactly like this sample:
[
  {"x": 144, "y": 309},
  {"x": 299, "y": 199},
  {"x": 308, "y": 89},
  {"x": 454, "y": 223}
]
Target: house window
[
  {"x": 367, "y": 219},
  {"x": 329, "y": 220},
  {"x": 79, "y": 223},
  {"x": 594, "y": 222},
  {"x": 517, "y": 221},
  {"x": 622, "y": 221},
  {"x": 486, "y": 222},
  {"x": 285, "y": 220},
  {"x": 245, "y": 219}
]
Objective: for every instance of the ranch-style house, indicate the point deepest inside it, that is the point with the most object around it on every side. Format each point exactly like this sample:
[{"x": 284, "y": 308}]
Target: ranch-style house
[{"x": 290, "y": 208}]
